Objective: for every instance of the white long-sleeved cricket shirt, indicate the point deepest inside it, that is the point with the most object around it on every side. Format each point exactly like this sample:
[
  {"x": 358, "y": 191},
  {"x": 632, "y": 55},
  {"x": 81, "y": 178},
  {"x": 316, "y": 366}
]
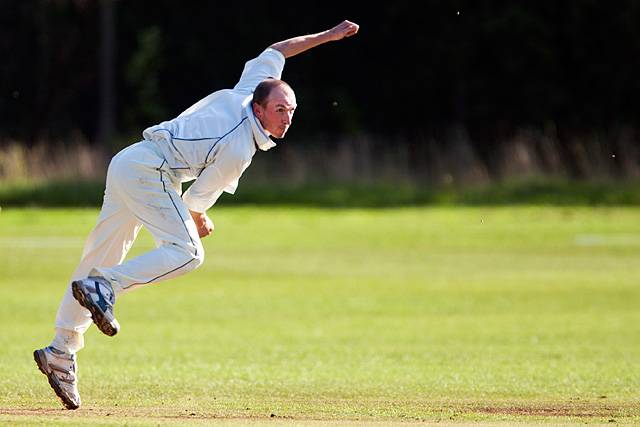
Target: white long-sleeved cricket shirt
[{"x": 214, "y": 140}]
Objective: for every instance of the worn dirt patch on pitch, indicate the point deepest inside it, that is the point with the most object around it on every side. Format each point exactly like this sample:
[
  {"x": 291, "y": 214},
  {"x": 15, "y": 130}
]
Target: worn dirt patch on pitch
[
  {"x": 552, "y": 411},
  {"x": 89, "y": 416},
  {"x": 575, "y": 409},
  {"x": 433, "y": 411}
]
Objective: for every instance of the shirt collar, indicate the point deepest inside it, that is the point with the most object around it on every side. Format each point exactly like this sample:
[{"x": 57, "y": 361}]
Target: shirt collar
[{"x": 259, "y": 134}]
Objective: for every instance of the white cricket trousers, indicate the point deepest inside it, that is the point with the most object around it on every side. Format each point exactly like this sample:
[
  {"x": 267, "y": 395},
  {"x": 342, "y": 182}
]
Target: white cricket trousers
[{"x": 140, "y": 190}]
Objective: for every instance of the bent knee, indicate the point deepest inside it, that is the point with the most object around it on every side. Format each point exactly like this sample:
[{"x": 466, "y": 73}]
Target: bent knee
[
  {"x": 198, "y": 257},
  {"x": 190, "y": 255},
  {"x": 196, "y": 254}
]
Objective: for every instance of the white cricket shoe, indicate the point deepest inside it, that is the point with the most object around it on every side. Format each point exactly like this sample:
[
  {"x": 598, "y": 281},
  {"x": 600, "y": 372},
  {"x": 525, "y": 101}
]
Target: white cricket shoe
[
  {"x": 96, "y": 295},
  {"x": 61, "y": 370}
]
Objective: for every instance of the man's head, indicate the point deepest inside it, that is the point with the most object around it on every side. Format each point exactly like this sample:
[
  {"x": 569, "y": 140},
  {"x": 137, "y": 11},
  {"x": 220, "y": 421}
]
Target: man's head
[{"x": 273, "y": 105}]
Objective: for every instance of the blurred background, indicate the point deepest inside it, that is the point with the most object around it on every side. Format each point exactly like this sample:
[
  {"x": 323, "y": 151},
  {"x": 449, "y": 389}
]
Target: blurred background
[{"x": 464, "y": 101}]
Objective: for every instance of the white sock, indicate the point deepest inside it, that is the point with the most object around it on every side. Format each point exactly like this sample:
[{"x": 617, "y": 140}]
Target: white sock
[{"x": 68, "y": 341}]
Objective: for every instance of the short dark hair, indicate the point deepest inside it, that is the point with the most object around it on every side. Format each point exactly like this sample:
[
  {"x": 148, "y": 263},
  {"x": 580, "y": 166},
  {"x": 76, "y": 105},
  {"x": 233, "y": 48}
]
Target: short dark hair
[{"x": 263, "y": 90}]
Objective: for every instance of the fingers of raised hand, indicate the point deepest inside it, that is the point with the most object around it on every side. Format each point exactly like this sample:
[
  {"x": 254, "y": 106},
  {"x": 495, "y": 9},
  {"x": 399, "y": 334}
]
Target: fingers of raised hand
[{"x": 350, "y": 28}]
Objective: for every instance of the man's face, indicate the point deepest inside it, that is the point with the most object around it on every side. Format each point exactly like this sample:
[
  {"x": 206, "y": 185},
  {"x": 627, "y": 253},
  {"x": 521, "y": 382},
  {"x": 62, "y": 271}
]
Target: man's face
[{"x": 277, "y": 114}]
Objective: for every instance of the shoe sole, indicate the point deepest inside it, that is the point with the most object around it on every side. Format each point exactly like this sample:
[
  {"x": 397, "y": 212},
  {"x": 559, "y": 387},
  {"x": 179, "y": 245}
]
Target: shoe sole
[
  {"x": 41, "y": 361},
  {"x": 107, "y": 326}
]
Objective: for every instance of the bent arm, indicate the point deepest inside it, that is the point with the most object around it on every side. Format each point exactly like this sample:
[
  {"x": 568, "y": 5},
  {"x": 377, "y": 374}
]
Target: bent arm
[
  {"x": 296, "y": 45},
  {"x": 228, "y": 167}
]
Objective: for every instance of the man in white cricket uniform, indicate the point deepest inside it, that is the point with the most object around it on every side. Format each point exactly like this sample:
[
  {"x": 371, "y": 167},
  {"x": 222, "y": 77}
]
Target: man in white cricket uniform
[{"x": 212, "y": 142}]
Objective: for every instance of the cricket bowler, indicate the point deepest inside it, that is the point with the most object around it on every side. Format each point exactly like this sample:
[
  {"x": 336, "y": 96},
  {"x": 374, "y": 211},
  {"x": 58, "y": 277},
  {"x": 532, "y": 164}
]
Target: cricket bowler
[{"x": 212, "y": 142}]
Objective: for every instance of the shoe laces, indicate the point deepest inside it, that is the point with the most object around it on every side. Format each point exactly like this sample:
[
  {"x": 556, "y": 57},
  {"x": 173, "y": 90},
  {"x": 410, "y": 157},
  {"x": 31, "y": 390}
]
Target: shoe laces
[{"x": 104, "y": 290}]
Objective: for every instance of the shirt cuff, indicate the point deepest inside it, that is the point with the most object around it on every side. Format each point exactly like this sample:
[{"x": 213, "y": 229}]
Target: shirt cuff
[{"x": 197, "y": 205}]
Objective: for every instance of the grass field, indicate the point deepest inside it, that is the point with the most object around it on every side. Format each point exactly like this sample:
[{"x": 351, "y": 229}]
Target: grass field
[{"x": 345, "y": 317}]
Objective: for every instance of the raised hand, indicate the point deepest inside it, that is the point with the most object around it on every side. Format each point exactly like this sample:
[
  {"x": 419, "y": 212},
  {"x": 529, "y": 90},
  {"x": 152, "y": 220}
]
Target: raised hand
[{"x": 343, "y": 29}]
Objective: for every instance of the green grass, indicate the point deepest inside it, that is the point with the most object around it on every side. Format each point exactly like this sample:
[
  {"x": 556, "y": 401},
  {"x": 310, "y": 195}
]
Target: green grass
[
  {"x": 526, "y": 192},
  {"x": 344, "y": 316}
]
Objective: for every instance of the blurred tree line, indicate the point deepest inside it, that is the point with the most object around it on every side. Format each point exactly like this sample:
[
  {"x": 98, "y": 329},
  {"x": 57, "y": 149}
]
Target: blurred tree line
[{"x": 95, "y": 69}]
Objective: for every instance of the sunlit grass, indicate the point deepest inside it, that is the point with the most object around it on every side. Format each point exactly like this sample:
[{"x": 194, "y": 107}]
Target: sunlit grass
[{"x": 399, "y": 314}]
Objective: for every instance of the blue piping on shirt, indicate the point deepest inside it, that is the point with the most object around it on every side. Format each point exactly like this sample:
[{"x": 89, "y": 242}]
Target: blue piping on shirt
[
  {"x": 186, "y": 139},
  {"x": 206, "y": 159}
]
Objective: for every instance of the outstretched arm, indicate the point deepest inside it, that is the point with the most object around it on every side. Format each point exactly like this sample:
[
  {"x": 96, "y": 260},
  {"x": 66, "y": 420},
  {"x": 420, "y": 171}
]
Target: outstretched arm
[{"x": 296, "y": 45}]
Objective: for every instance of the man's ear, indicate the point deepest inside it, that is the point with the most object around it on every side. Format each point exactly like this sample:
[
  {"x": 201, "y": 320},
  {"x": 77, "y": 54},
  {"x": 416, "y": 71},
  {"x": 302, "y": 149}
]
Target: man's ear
[{"x": 257, "y": 110}]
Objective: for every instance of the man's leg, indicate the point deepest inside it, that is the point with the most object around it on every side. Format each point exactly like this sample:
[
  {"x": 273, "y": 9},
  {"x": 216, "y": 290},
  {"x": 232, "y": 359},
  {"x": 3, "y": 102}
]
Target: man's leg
[
  {"x": 152, "y": 197},
  {"x": 107, "y": 245}
]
